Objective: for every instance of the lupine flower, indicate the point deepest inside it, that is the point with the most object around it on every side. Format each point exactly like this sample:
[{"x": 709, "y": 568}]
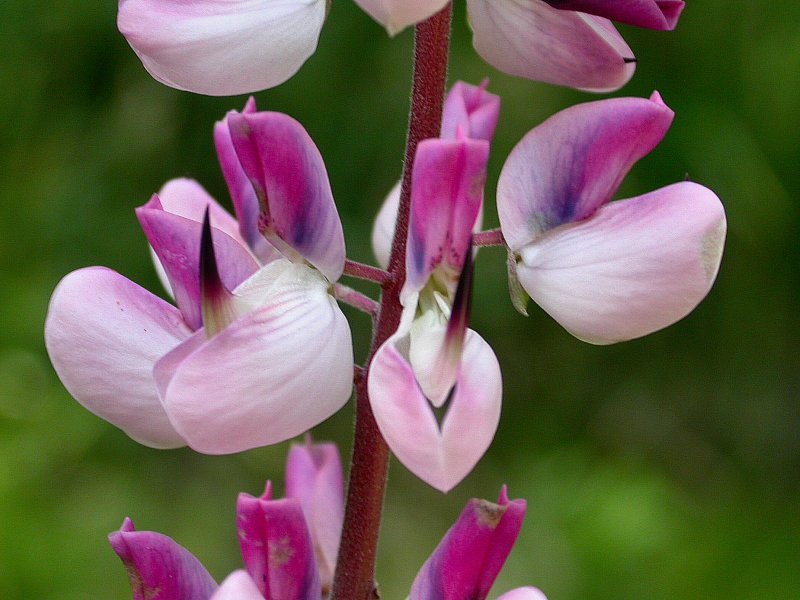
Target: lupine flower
[
  {"x": 433, "y": 360},
  {"x": 606, "y": 271},
  {"x": 229, "y": 47},
  {"x": 468, "y": 559},
  {"x": 278, "y": 547},
  {"x": 257, "y": 350},
  {"x": 564, "y": 42},
  {"x": 468, "y": 109}
]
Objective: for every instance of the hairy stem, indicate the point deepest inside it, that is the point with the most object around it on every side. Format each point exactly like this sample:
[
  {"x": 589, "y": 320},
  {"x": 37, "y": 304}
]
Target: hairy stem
[
  {"x": 491, "y": 237},
  {"x": 355, "y": 568},
  {"x": 366, "y": 272},
  {"x": 355, "y": 299}
]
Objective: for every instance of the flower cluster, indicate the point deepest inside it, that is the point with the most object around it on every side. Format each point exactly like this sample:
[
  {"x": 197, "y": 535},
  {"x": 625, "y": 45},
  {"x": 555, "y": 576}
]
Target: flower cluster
[
  {"x": 289, "y": 545},
  {"x": 256, "y": 350}
]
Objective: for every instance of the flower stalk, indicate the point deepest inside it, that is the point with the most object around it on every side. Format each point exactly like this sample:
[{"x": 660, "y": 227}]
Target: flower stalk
[{"x": 355, "y": 570}]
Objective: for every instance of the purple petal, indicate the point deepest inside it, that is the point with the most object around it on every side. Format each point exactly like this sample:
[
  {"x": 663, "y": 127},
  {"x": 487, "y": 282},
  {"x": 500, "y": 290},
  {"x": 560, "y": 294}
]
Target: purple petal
[
  {"x": 446, "y": 196},
  {"x": 104, "y": 333},
  {"x": 471, "y": 109},
  {"x": 280, "y": 369},
  {"x": 176, "y": 242},
  {"x": 533, "y": 40},
  {"x": 314, "y": 477},
  {"x": 239, "y": 586},
  {"x": 222, "y": 48},
  {"x": 570, "y": 165},
  {"x": 298, "y": 214},
  {"x": 439, "y": 455},
  {"x": 158, "y": 568},
  {"x": 277, "y": 548},
  {"x": 652, "y": 14},
  {"x": 245, "y": 202},
  {"x": 634, "y": 267},
  {"x": 396, "y": 15},
  {"x": 468, "y": 559}
]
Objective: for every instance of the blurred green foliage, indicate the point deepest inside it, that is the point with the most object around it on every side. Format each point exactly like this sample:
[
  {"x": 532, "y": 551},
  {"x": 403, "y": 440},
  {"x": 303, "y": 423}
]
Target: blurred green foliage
[{"x": 662, "y": 468}]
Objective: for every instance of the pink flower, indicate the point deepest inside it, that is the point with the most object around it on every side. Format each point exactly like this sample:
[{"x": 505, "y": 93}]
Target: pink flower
[
  {"x": 468, "y": 559},
  {"x": 433, "y": 360},
  {"x": 278, "y": 538},
  {"x": 257, "y": 350},
  {"x": 607, "y": 271},
  {"x": 564, "y": 42}
]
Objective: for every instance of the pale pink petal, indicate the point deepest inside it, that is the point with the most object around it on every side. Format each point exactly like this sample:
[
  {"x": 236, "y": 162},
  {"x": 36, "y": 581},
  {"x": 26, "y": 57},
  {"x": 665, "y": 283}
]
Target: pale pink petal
[
  {"x": 237, "y": 586},
  {"x": 534, "y": 40},
  {"x": 396, "y": 15},
  {"x": 383, "y": 229},
  {"x": 526, "y": 593},
  {"x": 472, "y": 110},
  {"x": 104, "y": 333},
  {"x": 176, "y": 242},
  {"x": 634, "y": 267},
  {"x": 446, "y": 196},
  {"x": 567, "y": 167},
  {"x": 467, "y": 561},
  {"x": 276, "y": 548},
  {"x": 282, "y": 368},
  {"x": 222, "y": 47},
  {"x": 314, "y": 476},
  {"x": 441, "y": 456},
  {"x": 158, "y": 568},
  {"x": 187, "y": 198},
  {"x": 289, "y": 177},
  {"x": 245, "y": 202},
  {"x": 653, "y": 14}
]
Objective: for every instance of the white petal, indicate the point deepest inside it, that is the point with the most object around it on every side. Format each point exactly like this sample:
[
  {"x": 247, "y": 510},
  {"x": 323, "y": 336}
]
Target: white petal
[
  {"x": 284, "y": 367},
  {"x": 104, "y": 333},
  {"x": 634, "y": 267},
  {"x": 222, "y": 47},
  {"x": 396, "y": 15},
  {"x": 442, "y": 457}
]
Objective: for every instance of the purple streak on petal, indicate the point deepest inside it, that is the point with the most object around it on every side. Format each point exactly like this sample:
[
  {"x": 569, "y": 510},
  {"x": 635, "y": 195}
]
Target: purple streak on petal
[
  {"x": 277, "y": 548},
  {"x": 158, "y": 568},
  {"x": 103, "y": 334},
  {"x": 291, "y": 183},
  {"x": 472, "y": 108},
  {"x": 446, "y": 196},
  {"x": 176, "y": 242},
  {"x": 462, "y": 305},
  {"x": 314, "y": 477},
  {"x": 652, "y": 14},
  {"x": 566, "y": 168},
  {"x": 216, "y": 301},
  {"x": 535, "y": 41},
  {"x": 468, "y": 559}
]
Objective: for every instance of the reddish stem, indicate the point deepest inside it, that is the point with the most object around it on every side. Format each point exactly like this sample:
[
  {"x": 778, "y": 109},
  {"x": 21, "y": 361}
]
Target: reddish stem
[
  {"x": 491, "y": 237},
  {"x": 355, "y": 569},
  {"x": 366, "y": 272}
]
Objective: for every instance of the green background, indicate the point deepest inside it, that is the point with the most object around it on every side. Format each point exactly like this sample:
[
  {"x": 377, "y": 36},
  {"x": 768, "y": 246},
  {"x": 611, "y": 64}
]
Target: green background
[{"x": 661, "y": 468}]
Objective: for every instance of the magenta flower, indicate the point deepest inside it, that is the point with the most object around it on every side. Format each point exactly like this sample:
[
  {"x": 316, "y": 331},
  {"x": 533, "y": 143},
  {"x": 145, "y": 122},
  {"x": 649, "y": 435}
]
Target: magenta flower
[
  {"x": 468, "y": 559},
  {"x": 606, "y": 271},
  {"x": 564, "y": 42},
  {"x": 468, "y": 109},
  {"x": 257, "y": 350},
  {"x": 279, "y": 540},
  {"x": 433, "y": 360}
]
